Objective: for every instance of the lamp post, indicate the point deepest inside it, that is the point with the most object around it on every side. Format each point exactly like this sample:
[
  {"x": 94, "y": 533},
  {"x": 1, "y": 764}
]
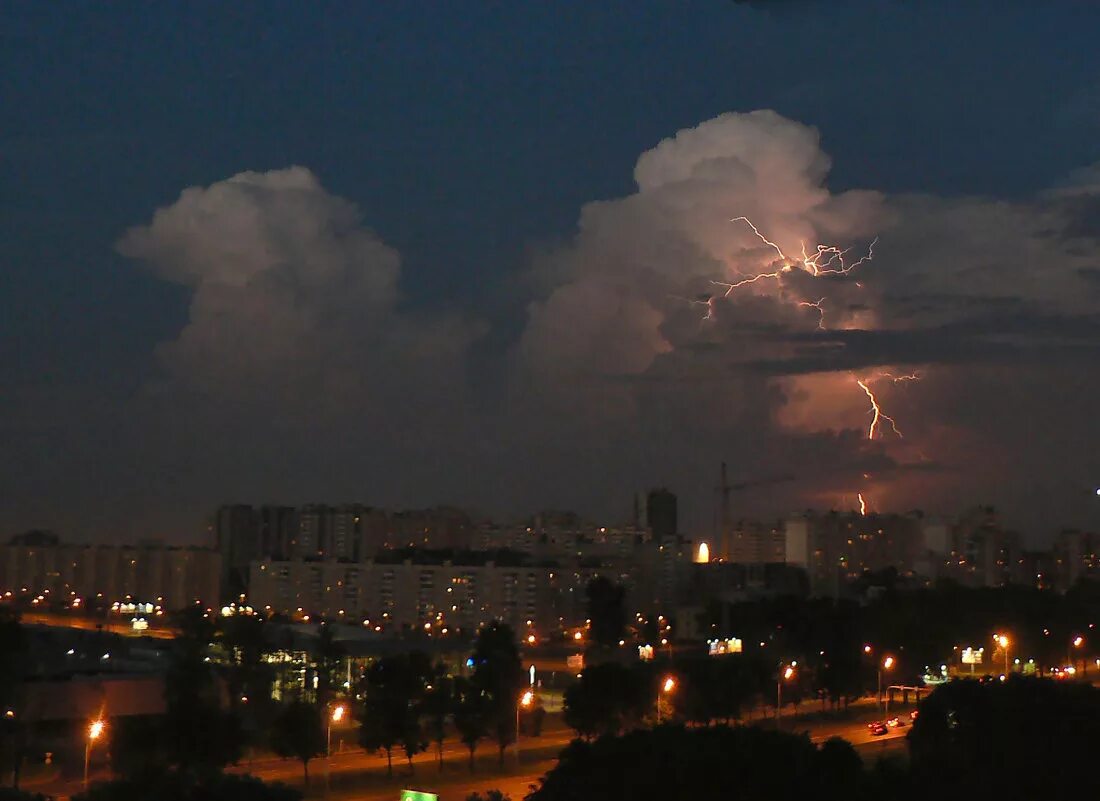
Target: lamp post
[
  {"x": 886, "y": 664},
  {"x": 95, "y": 731},
  {"x": 1078, "y": 643},
  {"x": 525, "y": 701},
  {"x": 335, "y": 716},
  {"x": 1004, "y": 642},
  {"x": 785, "y": 674},
  {"x": 667, "y": 687}
]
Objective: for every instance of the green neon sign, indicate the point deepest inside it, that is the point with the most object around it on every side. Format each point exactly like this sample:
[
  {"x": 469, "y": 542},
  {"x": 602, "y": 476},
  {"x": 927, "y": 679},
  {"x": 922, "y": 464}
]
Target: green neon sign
[{"x": 416, "y": 795}]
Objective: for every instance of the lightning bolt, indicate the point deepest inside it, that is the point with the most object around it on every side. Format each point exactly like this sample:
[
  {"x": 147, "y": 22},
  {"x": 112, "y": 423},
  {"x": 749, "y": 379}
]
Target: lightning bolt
[
  {"x": 898, "y": 379},
  {"x": 761, "y": 237},
  {"x": 877, "y": 415},
  {"x": 825, "y": 260},
  {"x": 820, "y": 311},
  {"x": 862, "y": 504}
]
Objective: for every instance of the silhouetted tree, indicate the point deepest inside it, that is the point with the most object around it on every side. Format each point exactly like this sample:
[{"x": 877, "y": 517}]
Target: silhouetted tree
[
  {"x": 393, "y": 689},
  {"x": 673, "y": 764},
  {"x": 200, "y": 735},
  {"x": 437, "y": 705},
  {"x": 1020, "y": 739},
  {"x": 299, "y": 733},
  {"x": 472, "y": 715},
  {"x": 14, "y": 653},
  {"x": 606, "y": 699},
  {"x": 498, "y": 675},
  {"x": 174, "y": 786}
]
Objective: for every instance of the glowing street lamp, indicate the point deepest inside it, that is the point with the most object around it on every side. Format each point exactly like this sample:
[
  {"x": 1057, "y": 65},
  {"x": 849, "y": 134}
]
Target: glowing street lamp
[
  {"x": 1003, "y": 641},
  {"x": 525, "y": 701},
  {"x": 887, "y": 664},
  {"x": 785, "y": 674},
  {"x": 335, "y": 716},
  {"x": 95, "y": 731},
  {"x": 667, "y": 686}
]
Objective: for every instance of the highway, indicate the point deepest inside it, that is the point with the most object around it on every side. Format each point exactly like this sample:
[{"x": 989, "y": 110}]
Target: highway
[{"x": 354, "y": 774}]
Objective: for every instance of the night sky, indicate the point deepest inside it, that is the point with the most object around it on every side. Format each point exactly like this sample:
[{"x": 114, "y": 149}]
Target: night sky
[{"x": 483, "y": 254}]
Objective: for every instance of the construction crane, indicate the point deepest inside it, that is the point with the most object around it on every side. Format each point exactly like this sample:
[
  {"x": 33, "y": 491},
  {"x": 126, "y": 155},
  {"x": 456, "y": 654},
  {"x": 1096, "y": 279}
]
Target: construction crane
[{"x": 726, "y": 489}]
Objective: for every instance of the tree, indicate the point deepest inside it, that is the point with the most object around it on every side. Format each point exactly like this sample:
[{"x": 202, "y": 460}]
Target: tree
[
  {"x": 175, "y": 786},
  {"x": 14, "y": 652},
  {"x": 606, "y": 610},
  {"x": 605, "y": 700},
  {"x": 673, "y": 764},
  {"x": 200, "y": 735},
  {"x": 327, "y": 654},
  {"x": 489, "y": 795},
  {"x": 471, "y": 715},
  {"x": 299, "y": 733},
  {"x": 139, "y": 747},
  {"x": 498, "y": 675},
  {"x": 438, "y": 703},
  {"x": 1020, "y": 739},
  {"x": 394, "y": 688}
]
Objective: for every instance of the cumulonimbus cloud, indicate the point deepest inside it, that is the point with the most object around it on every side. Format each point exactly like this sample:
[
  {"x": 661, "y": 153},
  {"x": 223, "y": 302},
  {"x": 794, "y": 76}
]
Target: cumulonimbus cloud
[{"x": 649, "y": 353}]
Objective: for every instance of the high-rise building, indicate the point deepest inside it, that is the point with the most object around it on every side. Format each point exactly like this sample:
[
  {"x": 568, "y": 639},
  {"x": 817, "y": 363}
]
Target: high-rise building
[
  {"x": 237, "y": 532},
  {"x": 278, "y": 531},
  {"x": 661, "y": 515},
  {"x": 751, "y": 542},
  {"x": 836, "y": 548}
]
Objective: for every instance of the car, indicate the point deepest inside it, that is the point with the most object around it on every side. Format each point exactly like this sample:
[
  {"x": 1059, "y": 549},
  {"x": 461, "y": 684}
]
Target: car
[
  {"x": 895, "y": 723},
  {"x": 877, "y": 728}
]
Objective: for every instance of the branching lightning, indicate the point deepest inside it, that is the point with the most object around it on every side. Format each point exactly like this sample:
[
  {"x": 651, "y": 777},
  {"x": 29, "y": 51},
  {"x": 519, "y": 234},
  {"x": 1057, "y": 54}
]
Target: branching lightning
[
  {"x": 817, "y": 304},
  {"x": 819, "y": 261},
  {"x": 877, "y": 415}
]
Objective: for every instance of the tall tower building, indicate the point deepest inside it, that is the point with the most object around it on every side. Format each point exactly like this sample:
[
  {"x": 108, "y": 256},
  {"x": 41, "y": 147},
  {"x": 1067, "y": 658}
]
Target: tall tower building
[
  {"x": 238, "y": 543},
  {"x": 661, "y": 514}
]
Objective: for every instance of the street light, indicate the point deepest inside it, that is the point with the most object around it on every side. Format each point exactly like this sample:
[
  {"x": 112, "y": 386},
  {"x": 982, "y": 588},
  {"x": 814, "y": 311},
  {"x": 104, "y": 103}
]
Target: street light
[
  {"x": 786, "y": 674},
  {"x": 525, "y": 701},
  {"x": 95, "y": 731},
  {"x": 335, "y": 716},
  {"x": 887, "y": 664},
  {"x": 1004, "y": 642},
  {"x": 667, "y": 686}
]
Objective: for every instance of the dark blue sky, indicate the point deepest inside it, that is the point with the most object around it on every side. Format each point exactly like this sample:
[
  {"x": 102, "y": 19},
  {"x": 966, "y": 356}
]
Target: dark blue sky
[{"x": 466, "y": 133}]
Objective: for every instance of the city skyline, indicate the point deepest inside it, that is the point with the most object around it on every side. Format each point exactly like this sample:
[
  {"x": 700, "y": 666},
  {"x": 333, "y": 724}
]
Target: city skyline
[{"x": 499, "y": 260}]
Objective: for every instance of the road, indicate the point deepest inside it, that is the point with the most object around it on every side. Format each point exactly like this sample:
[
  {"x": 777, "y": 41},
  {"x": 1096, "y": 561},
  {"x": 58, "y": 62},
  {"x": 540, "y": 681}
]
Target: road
[{"x": 355, "y": 774}]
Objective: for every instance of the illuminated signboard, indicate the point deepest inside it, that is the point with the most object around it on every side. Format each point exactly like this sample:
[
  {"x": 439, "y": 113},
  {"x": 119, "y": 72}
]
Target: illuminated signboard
[
  {"x": 731, "y": 645},
  {"x": 972, "y": 657},
  {"x": 416, "y": 795}
]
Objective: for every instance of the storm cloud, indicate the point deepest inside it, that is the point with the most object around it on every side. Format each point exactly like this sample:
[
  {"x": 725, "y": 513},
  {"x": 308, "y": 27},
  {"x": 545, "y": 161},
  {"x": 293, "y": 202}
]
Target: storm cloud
[{"x": 648, "y": 351}]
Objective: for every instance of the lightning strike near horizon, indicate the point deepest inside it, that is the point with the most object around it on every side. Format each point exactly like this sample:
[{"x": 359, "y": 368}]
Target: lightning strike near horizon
[
  {"x": 862, "y": 504},
  {"x": 877, "y": 415}
]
